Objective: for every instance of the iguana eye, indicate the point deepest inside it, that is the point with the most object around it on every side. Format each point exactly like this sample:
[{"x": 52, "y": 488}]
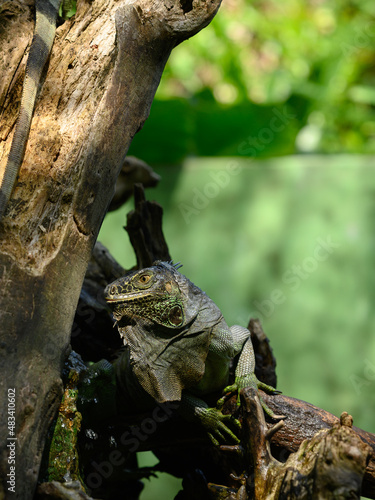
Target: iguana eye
[
  {"x": 145, "y": 278},
  {"x": 144, "y": 281}
]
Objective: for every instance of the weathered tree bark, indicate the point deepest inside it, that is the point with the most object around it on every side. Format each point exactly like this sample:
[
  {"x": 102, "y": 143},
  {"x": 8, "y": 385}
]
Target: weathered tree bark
[
  {"x": 104, "y": 70},
  {"x": 329, "y": 465},
  {"x": 304, "y": 421}
]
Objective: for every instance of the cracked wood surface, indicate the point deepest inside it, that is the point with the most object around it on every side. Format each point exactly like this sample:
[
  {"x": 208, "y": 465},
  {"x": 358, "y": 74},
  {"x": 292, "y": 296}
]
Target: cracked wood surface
[
  {"x": 303, "y": 422},
  {"x": 105, "y": 67}
]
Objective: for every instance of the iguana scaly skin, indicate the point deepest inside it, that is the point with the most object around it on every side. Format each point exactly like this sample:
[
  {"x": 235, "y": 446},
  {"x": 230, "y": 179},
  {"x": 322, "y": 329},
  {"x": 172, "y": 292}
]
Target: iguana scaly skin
[
  {"x": 46, "y": 12},
  {"x": 178, "y": 346}
]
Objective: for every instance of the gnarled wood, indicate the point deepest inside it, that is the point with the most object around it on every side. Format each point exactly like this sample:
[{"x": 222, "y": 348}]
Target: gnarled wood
[
  {"x": 105, "y": 67},
  {"x": 328, "y": 465},
  {"x": 303, "y": 422}
]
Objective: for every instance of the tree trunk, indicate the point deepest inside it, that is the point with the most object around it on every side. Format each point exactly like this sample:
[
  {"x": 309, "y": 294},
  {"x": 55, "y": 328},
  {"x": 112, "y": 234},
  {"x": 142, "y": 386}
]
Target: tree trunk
[{"x": 104, "y": 70}]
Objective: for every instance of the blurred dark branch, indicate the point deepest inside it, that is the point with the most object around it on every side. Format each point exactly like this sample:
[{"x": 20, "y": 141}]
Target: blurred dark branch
[
  {"x": 144, "y": 226},
  {"x": 133, "y": 171}
]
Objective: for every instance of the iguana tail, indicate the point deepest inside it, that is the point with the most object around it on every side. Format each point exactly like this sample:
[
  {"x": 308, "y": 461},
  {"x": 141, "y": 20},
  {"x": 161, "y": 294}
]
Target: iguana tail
[{"x": 41, "y": 46}]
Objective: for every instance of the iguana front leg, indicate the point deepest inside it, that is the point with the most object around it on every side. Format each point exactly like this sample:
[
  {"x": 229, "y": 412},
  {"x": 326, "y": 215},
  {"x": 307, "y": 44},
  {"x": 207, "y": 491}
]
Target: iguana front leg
[{"x": 244, "y": 375}]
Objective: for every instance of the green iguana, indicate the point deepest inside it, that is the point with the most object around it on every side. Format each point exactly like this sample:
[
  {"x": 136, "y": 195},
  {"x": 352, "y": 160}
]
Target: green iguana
[
  {"x": 46, "y": 12},
  {"x": 178, "y": 347}
]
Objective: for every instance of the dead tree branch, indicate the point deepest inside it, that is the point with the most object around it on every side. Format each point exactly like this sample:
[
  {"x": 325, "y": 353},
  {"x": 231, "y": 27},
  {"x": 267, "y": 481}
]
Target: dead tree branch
[{"x": 104, "y": 70}]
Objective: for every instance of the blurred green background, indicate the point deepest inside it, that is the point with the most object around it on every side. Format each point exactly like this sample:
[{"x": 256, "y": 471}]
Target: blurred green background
[{"x": 262, "y": 131}]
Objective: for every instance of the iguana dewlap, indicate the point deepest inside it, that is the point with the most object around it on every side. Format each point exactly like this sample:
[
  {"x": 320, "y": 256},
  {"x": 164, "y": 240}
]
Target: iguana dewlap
[{"x": 178, "y": 345}]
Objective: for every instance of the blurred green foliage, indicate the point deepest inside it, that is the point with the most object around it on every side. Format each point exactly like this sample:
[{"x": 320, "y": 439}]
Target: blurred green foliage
[{"x": 315, "y": 57}]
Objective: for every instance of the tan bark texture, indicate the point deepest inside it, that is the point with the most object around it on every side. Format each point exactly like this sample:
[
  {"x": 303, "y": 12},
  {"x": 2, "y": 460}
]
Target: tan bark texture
[{"x": 104, "y": 69}]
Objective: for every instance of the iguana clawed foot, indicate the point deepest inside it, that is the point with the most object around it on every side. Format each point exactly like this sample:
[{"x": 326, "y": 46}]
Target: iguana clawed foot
[
  {"x": 250, "y": 380},
  {"x": 216, "y": 426}
]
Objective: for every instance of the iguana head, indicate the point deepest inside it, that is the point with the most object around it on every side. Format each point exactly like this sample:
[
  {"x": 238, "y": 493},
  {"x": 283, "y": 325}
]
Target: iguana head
[{"x": 159, "y": 293}]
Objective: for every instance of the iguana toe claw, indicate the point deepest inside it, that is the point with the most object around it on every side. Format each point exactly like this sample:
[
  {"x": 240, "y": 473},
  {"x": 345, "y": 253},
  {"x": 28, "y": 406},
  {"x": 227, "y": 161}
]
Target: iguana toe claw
[
  {"x": 269, "y": 412},
  {"x": 267, "y": 388},
  {"x": 217, "y": 428}
]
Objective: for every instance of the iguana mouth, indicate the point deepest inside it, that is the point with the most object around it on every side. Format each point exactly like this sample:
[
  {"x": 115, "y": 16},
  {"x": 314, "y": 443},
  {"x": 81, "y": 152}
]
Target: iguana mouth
[{"x": 128, "y": 297}]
